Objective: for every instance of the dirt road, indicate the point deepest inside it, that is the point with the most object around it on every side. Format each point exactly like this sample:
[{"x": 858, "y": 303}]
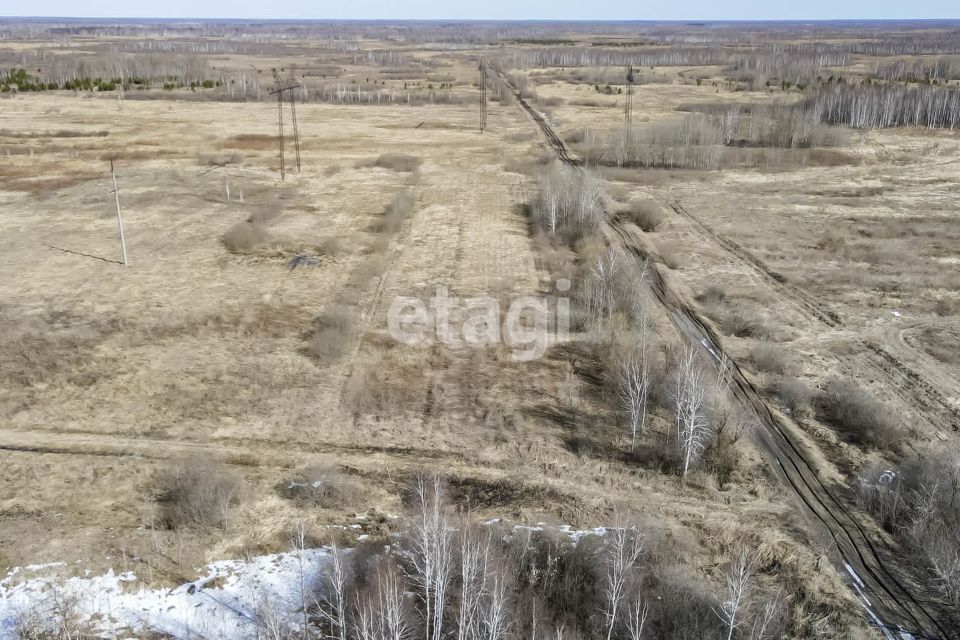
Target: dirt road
[{"x": 889, "y": 594}]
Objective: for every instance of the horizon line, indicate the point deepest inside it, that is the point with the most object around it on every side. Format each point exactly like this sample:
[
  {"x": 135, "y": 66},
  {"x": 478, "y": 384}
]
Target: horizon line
[{"x": 692, "y": 21}]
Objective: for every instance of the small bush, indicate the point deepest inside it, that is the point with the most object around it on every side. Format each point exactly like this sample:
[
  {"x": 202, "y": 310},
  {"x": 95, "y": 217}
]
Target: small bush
[
  {"x": 795, "y": 396},
  {"x": 685, "y": 609},
  {"x": 945, "y": 308},
  {"x": 671, "y": 257},
  {"x": 197, "y": 493},
  {"x": 740, "y": 325},
  {"x": 245, "y": 237},
  {"x": 333, "y": 333},
  {"x": 220, "y": 159},
  {"x": 832, "y": 240},
  {"x": 769, "y": 358},
  {"x": 857, "y": 415},
  {"x": 329, "y": 246},
  {"x": 646, "y": 214},
  {"x": 712, "y": 295},
  {"x": 398, "y": 162},
  {"x": 323, "y": 486}
]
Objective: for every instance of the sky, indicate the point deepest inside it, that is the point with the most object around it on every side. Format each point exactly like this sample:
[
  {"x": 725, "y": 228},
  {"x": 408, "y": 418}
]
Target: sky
[{"x": 490, "y": 9}]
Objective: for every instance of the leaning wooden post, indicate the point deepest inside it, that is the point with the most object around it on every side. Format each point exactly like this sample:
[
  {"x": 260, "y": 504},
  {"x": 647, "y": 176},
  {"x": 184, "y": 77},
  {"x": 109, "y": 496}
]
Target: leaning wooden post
[{"x": 116, "y": 193}]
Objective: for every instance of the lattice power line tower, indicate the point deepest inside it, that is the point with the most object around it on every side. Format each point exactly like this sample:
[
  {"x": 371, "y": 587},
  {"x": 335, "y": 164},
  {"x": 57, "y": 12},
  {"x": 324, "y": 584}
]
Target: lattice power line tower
[
  {"x": 285, "y": 89},
  {"x": 628, "y": 109},
  {"x": 483, "y": 95}
]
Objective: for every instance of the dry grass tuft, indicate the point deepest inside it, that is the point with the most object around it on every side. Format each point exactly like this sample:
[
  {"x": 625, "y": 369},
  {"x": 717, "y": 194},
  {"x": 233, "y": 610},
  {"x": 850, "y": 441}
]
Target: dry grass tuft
[
  {"x": 197, "y": 493},
  {"x": 794, "y": 395},
  {"x": 646, "y": 214},
  {"x": 251, "y": 141},
  {"x": 324, "y": 486},
  {"x": 398, "y": 162},
  {"x": 333, "y": 335},
  {"x": 220, "y": 159},
  {"x": 770, "y": 358},
  {"x": 857, "y": 415},
  {"x": 245, "y": 237}
]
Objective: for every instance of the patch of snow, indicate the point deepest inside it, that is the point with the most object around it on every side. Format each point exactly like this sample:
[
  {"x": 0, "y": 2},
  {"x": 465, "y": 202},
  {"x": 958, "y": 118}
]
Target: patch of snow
[{"x": 225, "y": 603}]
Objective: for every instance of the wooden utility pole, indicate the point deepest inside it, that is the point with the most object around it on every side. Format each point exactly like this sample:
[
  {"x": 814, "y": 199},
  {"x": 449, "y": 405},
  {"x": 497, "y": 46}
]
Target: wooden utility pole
[
  {"x": 483, "y": 95},
  {"x": 116, "y": 194},
  {"x": 628, "y": 110}
]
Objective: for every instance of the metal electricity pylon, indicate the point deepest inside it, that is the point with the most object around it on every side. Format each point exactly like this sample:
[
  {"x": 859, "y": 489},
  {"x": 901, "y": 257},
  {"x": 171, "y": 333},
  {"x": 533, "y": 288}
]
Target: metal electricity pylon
[{"x": 285, "y": 88}]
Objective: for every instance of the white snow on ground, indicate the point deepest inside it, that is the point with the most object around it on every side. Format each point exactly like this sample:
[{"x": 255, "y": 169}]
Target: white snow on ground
[{"x": 224, "y": 603}]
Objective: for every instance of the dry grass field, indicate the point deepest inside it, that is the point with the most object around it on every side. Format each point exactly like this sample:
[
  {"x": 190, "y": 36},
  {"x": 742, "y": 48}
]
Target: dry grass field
[{"x": 245, "y": 348}]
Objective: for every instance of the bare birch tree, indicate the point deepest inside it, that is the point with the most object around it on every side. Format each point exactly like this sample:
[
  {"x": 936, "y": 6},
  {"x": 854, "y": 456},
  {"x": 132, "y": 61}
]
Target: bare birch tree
[
  {"x": 623, "y": 547},
  {"x": 765, "y": 622},
  {"x": 633, "y": 389},
  {"x": 738, "y": 583},
  {"x": 693, "y": 428},
  {"x": 332, "y": 602},
  {"x": 474, "y": 555},
  {"x": 495, "y": 604},
  {"x": 604, "y": 276},
  {"x": 392, "y": 620},
  {"x": 637, "y": 619},
  {"x": 431, "y": 551}
]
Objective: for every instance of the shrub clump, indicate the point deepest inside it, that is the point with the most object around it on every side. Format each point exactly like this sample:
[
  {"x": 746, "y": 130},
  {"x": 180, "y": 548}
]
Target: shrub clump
[
  {"x": 398, "y": 162},
  {"x": 860, "y": 417},
  {"x": 333, "y": 333},
  {"x": 323, "y": 486},
  {"x": 794, "y": 395},
  {"x": 646, "y": 214},
  {"x": 769, "y": 358},
  {"x": 197, "y": 493},
  {"x": 245, "y": 237}
]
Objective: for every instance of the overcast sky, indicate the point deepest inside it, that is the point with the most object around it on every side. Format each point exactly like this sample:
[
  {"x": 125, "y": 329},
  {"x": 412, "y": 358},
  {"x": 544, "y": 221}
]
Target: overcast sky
[{"x": 490, "y": 9}]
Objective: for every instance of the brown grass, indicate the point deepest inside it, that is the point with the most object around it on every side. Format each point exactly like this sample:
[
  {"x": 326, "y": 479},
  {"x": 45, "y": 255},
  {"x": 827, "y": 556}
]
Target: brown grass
[
  {"x": 857, "y": 415},
  {"x": 402, "y": 162},
  {"x": 333, "y": 334},
  {"x": 646, "y": 214},
  {"x": 770, "y": 358},
  {"x": 245, "y": 237},
  {"x": 324, "y": 486},
  {"x": 251, "y": 141},
  {"x": 196, "y": 493}
]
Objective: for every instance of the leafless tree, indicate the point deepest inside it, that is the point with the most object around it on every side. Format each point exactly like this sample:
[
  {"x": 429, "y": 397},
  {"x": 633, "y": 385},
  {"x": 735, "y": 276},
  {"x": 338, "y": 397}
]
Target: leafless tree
[
  {"x": 495, "y": 604},
  {"x": 431, "y": 542},
  {"x": 623, "y": 546},
  {"x": 765, "y": 621},
  {"x": 332, "y": 602},
  {"x": 382, "y": 612},
  {"x": 474, "y": 555},
  {"x": 633, "y": 388},
  {"x": 637, "y": 619},
  {"x": 738, "y": 582},
  {"x": 602, "y": 287},
  {"x": 693, "y": 428}
]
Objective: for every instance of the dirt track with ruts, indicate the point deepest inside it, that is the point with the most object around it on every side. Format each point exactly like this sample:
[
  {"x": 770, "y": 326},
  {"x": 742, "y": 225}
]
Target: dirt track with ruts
[{"x": 891, "y": 596}]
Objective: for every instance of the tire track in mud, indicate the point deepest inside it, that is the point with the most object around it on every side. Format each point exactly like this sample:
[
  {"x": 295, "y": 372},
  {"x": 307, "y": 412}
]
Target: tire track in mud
[
  {"x": 43, "y": 441},
  {"x": 879, "y": 357},
  {"x": 890, "y": 604},
  {"x": 798, "y": 296}
]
